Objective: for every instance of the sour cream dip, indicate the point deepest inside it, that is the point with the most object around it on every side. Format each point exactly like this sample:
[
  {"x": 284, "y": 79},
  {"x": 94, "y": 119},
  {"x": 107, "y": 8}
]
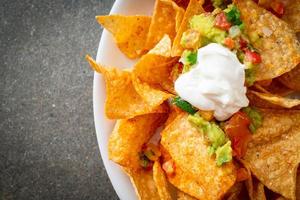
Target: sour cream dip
[{"x": 215, "y": 82}]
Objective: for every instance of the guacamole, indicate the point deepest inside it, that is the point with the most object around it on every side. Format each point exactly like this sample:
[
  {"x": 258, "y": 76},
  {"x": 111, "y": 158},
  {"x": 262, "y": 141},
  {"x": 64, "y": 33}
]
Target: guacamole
[{"x": 205, "y": 25}]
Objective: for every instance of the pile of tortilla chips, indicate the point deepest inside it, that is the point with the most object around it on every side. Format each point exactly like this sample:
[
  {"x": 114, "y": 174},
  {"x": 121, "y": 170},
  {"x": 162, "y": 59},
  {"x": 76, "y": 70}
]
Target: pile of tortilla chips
[{"x": 138, "y": 100}]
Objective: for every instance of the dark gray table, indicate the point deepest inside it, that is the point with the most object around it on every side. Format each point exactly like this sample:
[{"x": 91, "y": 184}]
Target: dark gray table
[{"x": 48, "y": 147}]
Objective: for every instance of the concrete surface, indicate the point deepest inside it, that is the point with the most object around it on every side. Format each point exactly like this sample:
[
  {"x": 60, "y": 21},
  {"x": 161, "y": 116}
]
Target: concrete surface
[{"x": 48, "y": 147}]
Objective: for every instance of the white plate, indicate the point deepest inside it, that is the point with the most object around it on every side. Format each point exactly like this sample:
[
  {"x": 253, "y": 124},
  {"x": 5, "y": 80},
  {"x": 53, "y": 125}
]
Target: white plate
[{"x": 108, "y": 54}]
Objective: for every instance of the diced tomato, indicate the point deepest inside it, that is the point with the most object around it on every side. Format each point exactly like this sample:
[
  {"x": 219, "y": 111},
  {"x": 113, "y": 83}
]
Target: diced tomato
[
  {"x": 277, "y": 8},
  {"x": 252, "y": 56},
  {"x": 208, "y": 6},
  {"x": 229, "y": 42},
  {"x": 237, "y": 129},
  {"x": 221, "y": 22},
  {"x": 169, "y": 167},
  {"x": 243, "y": 43},
  {"x": 242, "y": 174}
]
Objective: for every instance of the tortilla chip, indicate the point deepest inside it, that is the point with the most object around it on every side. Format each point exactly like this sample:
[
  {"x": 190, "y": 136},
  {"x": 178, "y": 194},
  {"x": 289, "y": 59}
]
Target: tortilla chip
[
  {"x": 144, "y": 184},
  {"x": 173, "y": 113},
  {"x": 276, "y": 87},
  {"x": 128, "y": 137},
  {"x": 258, "y": 190},
  {"x": 275, "y": 123},
  {"x": 167, "y": 15},
  {"x": 196, "y": 172},
  {"x": 161, "y": 182},
  {"x": 163, "y": 48},
  {"x": 184, "y": 196},
  {"x": 298, "y": 184},
  {"x": 155, "y": 70},
  {"x": 123, "y": 101},
  {"x": 261, "y": 103},
  {"x": 155, "y": 67},
  {"x": 194, "y": 8},
  {"x": 276, "y": 37},
  {"x": 237, "y": 192},
  {"x": 284, "y": 102},
  {"x": 281, "y": 198},
  {"x": 128, "y": 31},
  {"x": 292, "y": 14},
  {"x": 291, "y": 79},
  {"x": 182, "y": 3},
  {"x": 273, "y": 154},
  {"x": 148, "y": 93}
]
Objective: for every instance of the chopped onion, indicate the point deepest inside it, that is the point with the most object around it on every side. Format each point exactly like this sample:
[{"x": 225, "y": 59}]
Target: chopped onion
[{"x": 234, "y": 31}]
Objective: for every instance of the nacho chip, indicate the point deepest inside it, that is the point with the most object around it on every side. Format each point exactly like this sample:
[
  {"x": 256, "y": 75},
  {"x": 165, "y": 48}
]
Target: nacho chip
[
  {"x": 284, "y": 102},
  {"x": 182, "y": 3},
  {"x": 123, "y": 101},
  {"x": 128, "y": 137},
  {"x": 144, "y": 184},
  {"x": 163, "y": 48},
  {"x": 292, "y": 14},
  {"x": 237, "y": 192},
  {"x": 148, "y": 93},
  {"x": 167, "y": 15},
  {"x": 249, "y": 181},
  {"x": 261, "y": 103},
  {"x": 161, "y": 182},
  {"x": 276, "y": 38},
  {"x": 196, "y": 172},
  {"x": 184, "y": 196},
  {"x": 155, "y": 70},
  {"x": 276, "y": 87},
  {"x": 298, "y": 184},
  {"x": 194, "y": 8},
  {"x": 129, "y": 32},
  {"x": 273, "y": 154},
  {"x": 291, "y": 79},
  {"x": 155, "y": 67},
  {"x": 275, "y": 122},
  {"x": 258, "y": 190}
]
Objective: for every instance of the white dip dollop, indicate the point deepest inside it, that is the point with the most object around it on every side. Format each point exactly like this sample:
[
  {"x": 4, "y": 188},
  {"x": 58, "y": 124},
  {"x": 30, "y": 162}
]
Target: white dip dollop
[{"x": 215, "y": 83}]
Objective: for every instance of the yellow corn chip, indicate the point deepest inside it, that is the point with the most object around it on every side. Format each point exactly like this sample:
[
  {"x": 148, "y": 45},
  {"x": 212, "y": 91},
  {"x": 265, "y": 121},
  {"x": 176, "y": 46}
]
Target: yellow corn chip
[
  {"x": 275, "y": 123},
  {"x": 182, "y": 3},
  {"x": 273, "y": 154},
  {"x": 144, "y": 184},
  {"x": 165, "y": 17},
  {"x": 291, "y": 79},
  {"x": 129, "y": 32},
  {"x": 194, "y": 8},
  {"x": 123, "y": 101},
  {"x": 258, "y": 190},
  {"x": 128, "y": 137},
  {"x": 292, "y": 14},
  {"x": 276, "y": 37},
  {"x": 184, "y": 196},
  {"x": 163, "y": 48},
  {"x": 275, "y": 87},
  {"x": 236, "y": 192},
  {"x": 155, "y": 70},
  {"x": 298, "y": 184},
  {"x": 249, "y": 181},
  {"x": 149, "y": 94},
  {"x": 196, "y": 172},
  {"x": 281, "y": 198},
  {"x": 255, "y": 101},
  {"x": 278, "y": 100},
  {"x": 161, "y": 182},
  {"x": 155, "y": 67}
]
